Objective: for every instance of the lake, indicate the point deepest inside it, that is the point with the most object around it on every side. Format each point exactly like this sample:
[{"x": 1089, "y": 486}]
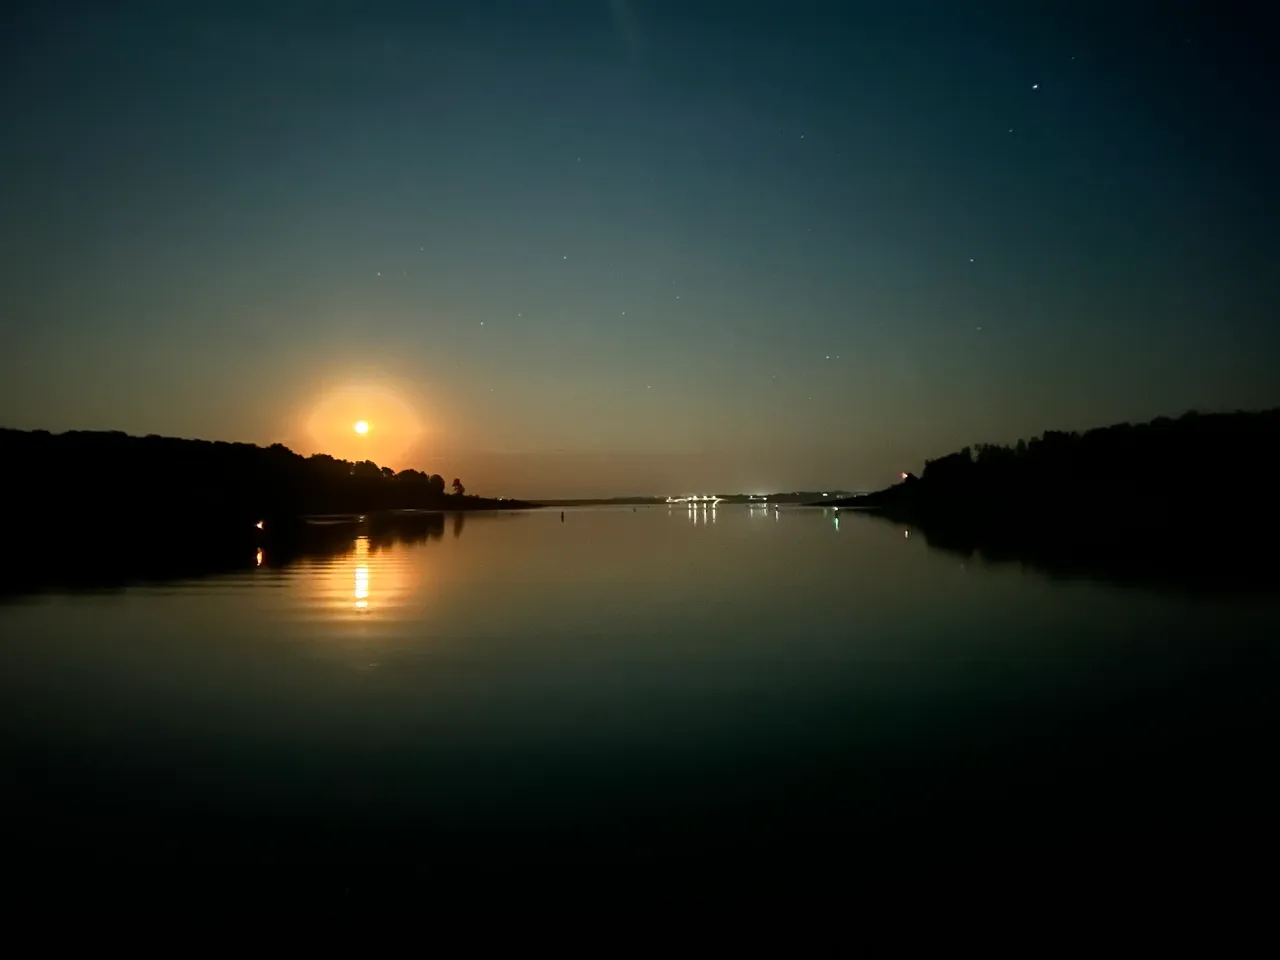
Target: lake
[{"x": 625, "y": 683}]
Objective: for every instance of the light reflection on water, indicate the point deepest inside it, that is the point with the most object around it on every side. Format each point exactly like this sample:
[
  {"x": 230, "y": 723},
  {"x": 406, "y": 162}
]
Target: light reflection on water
[
  {"x": 362, "y": 573},
  {"x": 521, "y": 653},
  {"x": 702, "y": 513}
]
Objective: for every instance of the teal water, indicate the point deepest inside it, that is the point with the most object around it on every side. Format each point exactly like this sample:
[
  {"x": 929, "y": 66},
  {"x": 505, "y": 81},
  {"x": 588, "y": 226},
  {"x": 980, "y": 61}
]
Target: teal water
[{"x": 623, "y": 683}]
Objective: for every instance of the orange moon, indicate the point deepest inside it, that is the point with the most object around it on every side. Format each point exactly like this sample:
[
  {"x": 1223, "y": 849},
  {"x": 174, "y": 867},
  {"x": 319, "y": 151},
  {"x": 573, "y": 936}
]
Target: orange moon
[{"x": 365, "y": 421}]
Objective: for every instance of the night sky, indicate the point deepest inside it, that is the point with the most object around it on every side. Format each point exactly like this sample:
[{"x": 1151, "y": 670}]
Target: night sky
[{"x": 601, "y": 247}]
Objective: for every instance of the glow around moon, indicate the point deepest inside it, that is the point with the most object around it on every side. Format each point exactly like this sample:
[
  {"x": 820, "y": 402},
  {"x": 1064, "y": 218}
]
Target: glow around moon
[{"x": 366, "y": 421}]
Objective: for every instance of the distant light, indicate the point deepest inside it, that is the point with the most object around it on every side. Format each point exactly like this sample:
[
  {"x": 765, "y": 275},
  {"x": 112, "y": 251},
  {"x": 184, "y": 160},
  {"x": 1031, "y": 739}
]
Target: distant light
[
  {"x": 259, "y": 558},
  {"x": 906, "y": 534},
  {"x": 824, "y": 494},
  {"x": 904, "y": 475},
  {"x": 258, "y": 524}
]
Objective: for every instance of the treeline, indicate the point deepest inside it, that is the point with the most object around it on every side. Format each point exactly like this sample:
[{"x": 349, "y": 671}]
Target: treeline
[
  {"x": 1187, "y": 504},
  {"x": 87, "y": 474},
  {"x": 1157, "y": 470}
]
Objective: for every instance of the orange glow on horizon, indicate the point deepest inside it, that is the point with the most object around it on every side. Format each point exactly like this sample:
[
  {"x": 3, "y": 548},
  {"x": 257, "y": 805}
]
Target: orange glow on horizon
[{"x": 365, "y": 421}]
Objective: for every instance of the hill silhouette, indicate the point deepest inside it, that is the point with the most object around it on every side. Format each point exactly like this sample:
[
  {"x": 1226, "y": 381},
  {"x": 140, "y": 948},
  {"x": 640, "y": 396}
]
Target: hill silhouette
[
  {"x": 1191, "y": 497},
  {"x": 112, "y": 495}
]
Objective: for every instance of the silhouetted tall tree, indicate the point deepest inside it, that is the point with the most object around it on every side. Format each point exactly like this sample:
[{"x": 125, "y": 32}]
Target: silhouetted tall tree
[{"x": 458, "y": 488}]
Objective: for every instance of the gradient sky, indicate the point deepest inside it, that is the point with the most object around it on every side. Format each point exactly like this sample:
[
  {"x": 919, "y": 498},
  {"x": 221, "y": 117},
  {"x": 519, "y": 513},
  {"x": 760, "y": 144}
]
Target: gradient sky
[{"x": 600, "y": 247}]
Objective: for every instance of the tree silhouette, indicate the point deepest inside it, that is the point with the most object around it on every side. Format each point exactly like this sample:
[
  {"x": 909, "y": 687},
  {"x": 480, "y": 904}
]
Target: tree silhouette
[
  {"x": 458, "y": 488},
  {"x": 1148, "y": 470},
  {"x": 179, "y": 490}
]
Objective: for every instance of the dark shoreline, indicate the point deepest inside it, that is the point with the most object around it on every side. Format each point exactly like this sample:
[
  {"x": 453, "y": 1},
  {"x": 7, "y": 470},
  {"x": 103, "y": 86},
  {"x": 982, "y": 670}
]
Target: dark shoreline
[
  {"x": 1188, "y": 504},
  {"x": 63, "y": 553},
  {"x": 93, "y": 508}
]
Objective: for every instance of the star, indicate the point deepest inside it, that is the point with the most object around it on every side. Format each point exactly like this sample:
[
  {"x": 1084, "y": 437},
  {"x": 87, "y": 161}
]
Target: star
[
  {"x": 971, "y": 259},
  {"x": 1035, "y": 86},
  {"x": 565, "y": 257}
]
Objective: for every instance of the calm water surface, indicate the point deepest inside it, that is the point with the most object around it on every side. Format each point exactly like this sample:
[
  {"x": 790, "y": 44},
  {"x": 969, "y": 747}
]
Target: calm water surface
[{"x": 624, "y": 682}]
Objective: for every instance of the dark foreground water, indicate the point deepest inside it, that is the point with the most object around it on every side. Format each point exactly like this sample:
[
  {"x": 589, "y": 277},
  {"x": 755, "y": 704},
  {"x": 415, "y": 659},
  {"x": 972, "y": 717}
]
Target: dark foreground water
[{"x": 648, "y": 684}]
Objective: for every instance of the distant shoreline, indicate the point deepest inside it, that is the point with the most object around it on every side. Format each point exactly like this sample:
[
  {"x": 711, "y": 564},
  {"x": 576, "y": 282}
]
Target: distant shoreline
[
  {"x": 93, "y": 474},
  {"x": 1188, "y": 500},
  {"x": 1163, "y": 467},
  {"x": 792, "y": 497}
]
